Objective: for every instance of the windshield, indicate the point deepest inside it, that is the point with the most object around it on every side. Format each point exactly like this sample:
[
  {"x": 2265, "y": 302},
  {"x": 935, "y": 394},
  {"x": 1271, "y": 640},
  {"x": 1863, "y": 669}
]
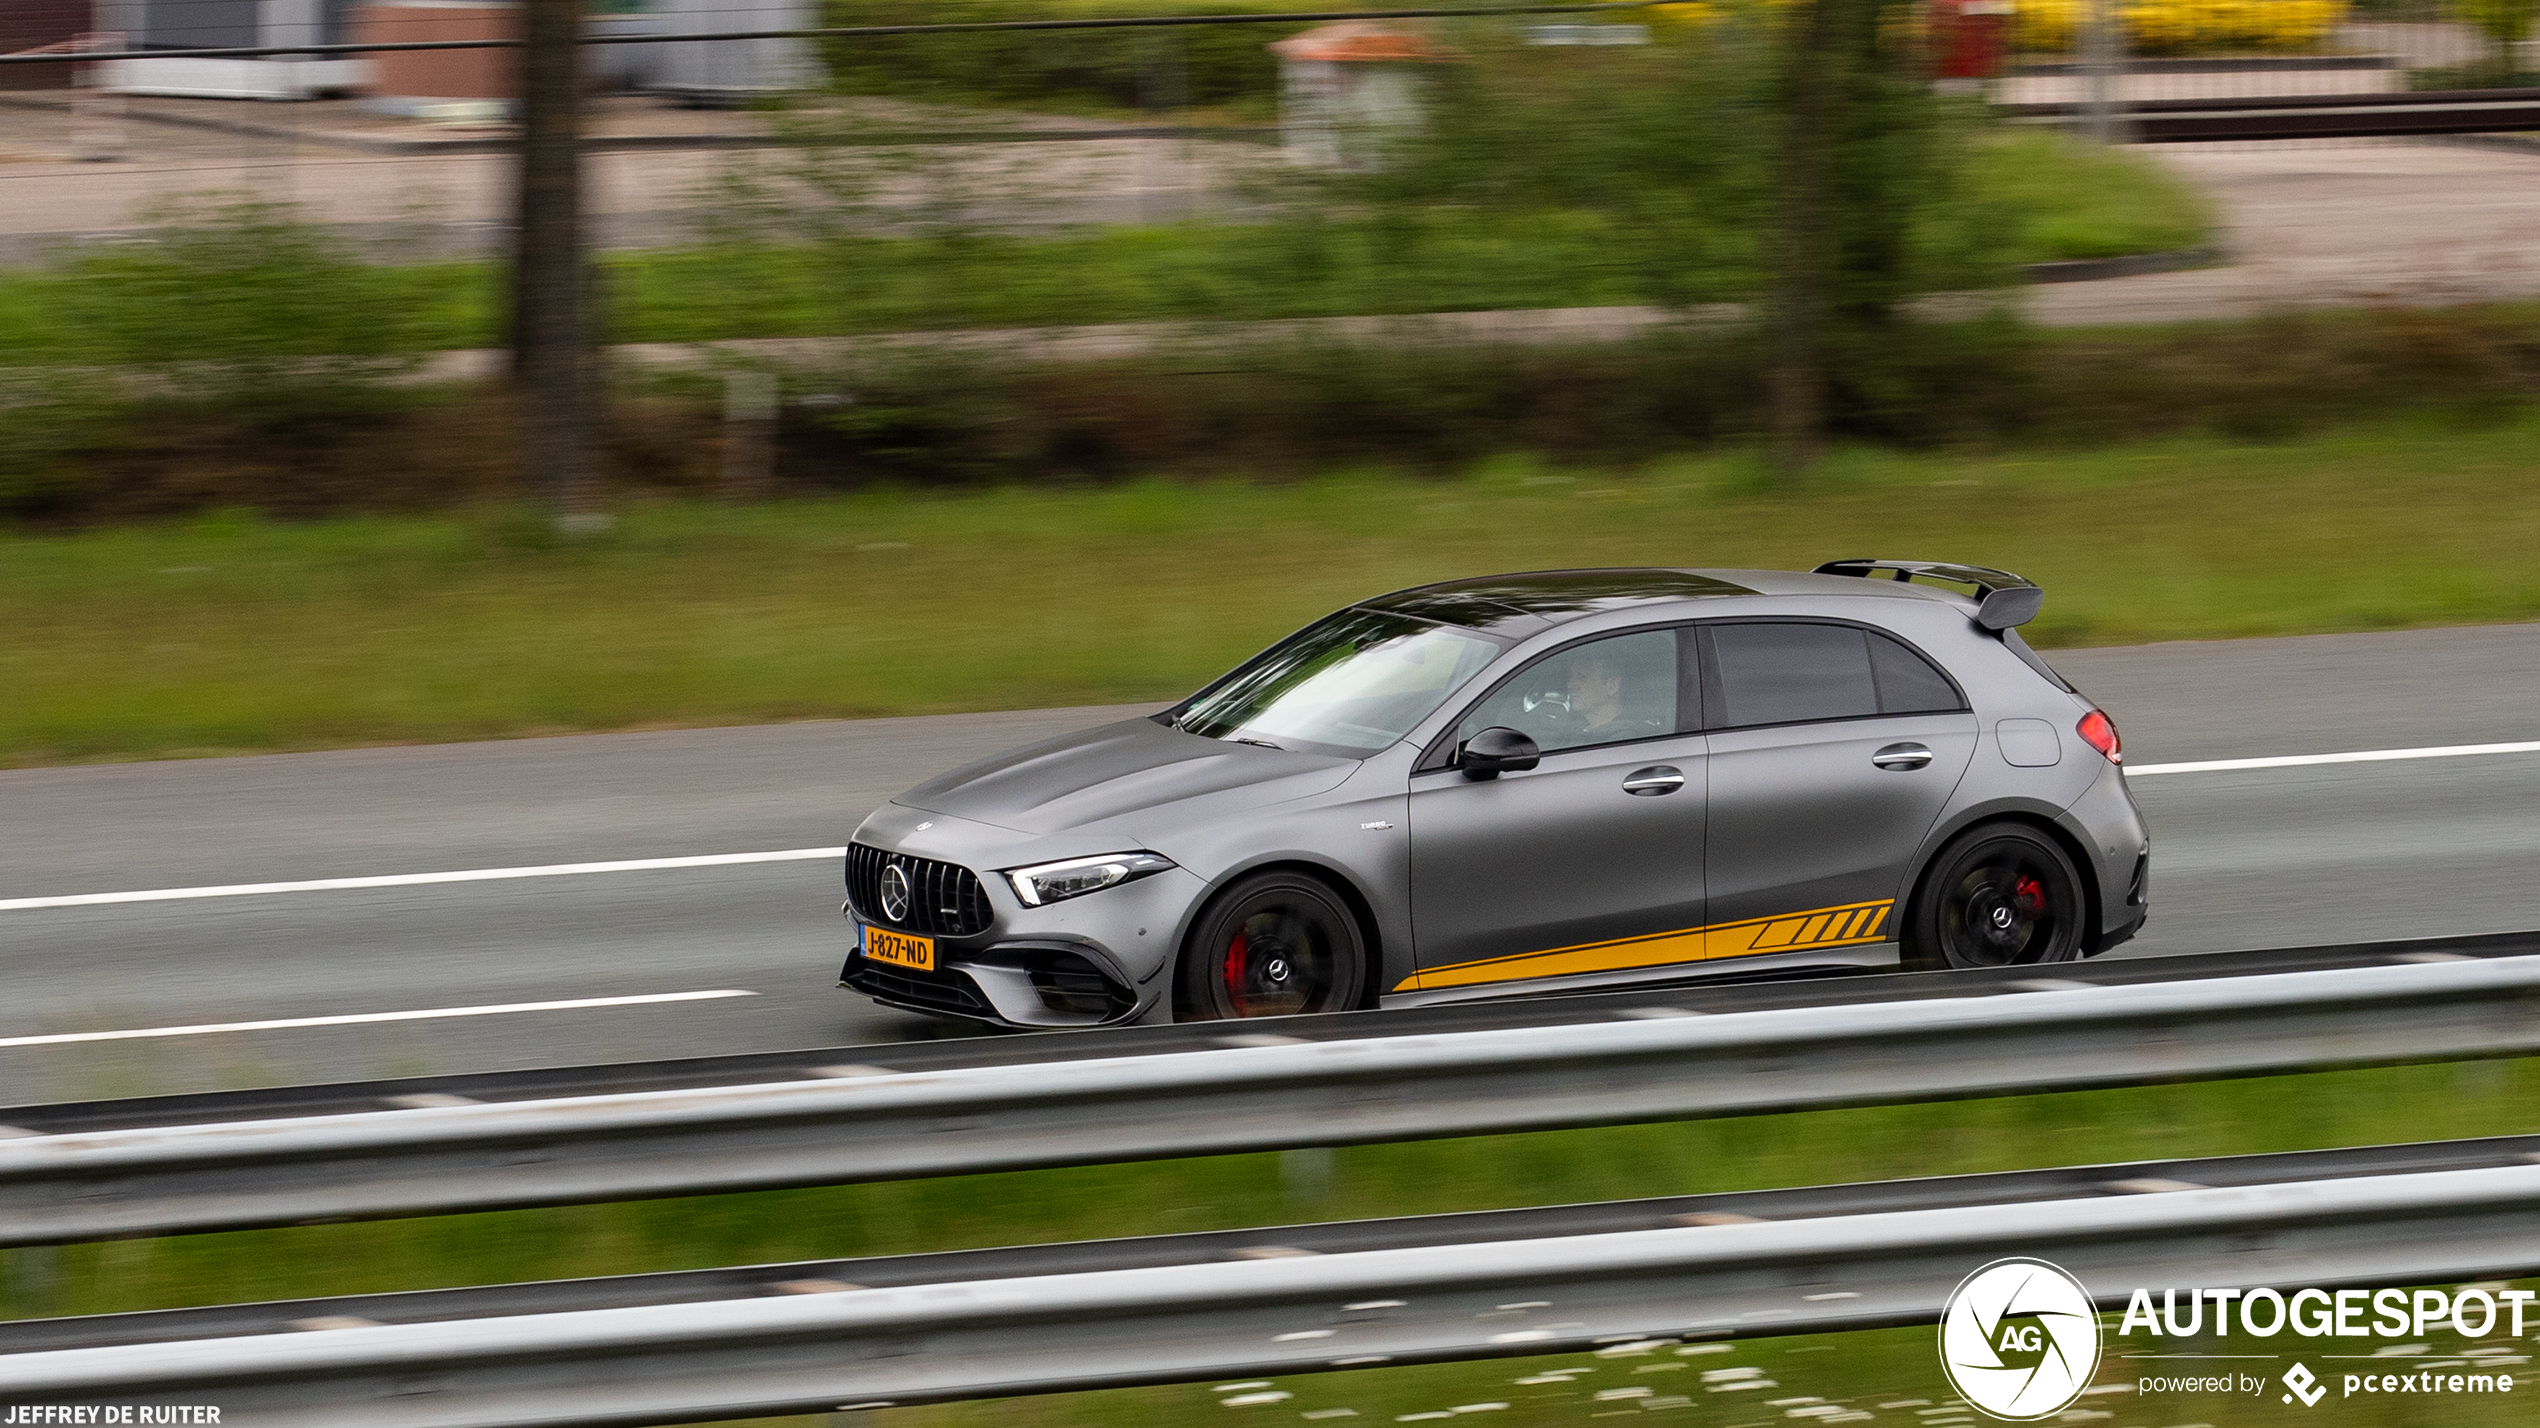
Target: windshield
[{"x": 1351, "y": 684}]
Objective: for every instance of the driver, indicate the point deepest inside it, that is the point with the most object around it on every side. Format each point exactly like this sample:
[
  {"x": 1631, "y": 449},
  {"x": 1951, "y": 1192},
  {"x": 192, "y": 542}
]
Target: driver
[{"x": 1596, "y": 699}]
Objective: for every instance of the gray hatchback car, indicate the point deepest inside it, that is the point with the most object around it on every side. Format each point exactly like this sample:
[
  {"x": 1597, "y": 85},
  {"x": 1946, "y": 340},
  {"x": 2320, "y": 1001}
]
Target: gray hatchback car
[{"x": 1527, "y": 784}]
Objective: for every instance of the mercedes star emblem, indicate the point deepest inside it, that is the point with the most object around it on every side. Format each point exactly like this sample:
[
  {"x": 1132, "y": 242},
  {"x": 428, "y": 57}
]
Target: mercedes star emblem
[{"x": 895, "y": 893}]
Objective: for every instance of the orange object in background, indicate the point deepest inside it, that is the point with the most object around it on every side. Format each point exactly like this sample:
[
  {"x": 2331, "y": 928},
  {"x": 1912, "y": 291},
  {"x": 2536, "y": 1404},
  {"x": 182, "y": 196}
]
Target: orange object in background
[
  {"x": 1969, "y": 37},
  {"x": 428, "y": 75}
]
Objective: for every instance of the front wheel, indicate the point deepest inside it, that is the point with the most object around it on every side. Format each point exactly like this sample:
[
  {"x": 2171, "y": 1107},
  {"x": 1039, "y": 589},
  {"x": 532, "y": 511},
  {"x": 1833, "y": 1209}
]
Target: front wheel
[
  {"x": 2001, "y": 895},
  {"x": 1273, "y": 944}
]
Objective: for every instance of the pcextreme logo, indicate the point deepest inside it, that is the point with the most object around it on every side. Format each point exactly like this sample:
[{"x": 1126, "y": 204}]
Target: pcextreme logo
[
  {"x": 2019, "y": 1339},
  {"x": 2304, "y": 1385}
]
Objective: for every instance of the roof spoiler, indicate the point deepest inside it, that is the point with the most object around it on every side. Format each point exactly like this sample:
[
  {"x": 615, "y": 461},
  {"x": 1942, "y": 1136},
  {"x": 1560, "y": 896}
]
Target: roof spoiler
[{"x": 2002, "y": 599}]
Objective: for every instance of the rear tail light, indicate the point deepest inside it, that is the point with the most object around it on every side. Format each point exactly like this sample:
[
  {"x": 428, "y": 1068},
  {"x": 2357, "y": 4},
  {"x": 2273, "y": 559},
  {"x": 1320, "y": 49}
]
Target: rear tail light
[{"x": 2100, "y": 732}]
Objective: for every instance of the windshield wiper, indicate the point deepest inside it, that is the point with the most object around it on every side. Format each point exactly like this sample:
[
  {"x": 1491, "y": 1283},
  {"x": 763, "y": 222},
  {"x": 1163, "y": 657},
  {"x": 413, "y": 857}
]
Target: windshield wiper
[{"x": 1265, "y": 743}]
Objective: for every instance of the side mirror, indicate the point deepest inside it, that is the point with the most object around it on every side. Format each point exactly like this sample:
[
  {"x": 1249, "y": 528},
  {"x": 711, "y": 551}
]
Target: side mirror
[{"x": 1496, "y": 751}]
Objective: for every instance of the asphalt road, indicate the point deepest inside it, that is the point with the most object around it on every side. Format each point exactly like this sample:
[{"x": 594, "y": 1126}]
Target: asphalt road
[{"x": 2242, "y": 859}]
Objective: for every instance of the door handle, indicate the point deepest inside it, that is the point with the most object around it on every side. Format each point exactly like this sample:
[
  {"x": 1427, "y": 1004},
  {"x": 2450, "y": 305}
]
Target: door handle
[
  {"x": 1654, "y": 780},
  {"x": 1901, "y": 757}
]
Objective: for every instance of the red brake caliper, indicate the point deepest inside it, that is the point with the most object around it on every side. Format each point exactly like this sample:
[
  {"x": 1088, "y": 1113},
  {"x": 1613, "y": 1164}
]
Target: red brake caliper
[
  {"x": 1235, "y": 956},
  {"x": 2028, "y": 897}
]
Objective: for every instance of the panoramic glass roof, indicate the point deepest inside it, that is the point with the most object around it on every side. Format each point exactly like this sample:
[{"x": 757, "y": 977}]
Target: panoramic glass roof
[{"x": 1547, "y": 596}]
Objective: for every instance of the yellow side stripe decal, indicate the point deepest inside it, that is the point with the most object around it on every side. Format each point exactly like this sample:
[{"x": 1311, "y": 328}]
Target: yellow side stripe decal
[{"x": 1819, "y": 927}]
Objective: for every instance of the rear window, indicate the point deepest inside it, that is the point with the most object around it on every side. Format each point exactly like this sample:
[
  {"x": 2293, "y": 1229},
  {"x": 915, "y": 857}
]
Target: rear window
[{"x": 1802, "y": 673}]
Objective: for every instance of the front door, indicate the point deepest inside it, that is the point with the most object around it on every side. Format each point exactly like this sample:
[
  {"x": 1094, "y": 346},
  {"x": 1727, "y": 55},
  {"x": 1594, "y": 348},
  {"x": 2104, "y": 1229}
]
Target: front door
[
  {"x": 1590, "y": 863},
  {"x": 1833, "y": 751}
]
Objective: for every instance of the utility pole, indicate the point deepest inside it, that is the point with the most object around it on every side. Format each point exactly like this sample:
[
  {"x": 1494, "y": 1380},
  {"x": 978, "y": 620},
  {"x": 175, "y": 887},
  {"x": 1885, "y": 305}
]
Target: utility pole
[
  {"x": 2103, "y": 56},
  {"x": 1802, "y": 247},
  {"x": 553, "y": 369}
]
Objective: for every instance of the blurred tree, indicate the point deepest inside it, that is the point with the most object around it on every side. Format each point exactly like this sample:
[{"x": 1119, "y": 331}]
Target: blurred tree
[
  {"x": 1804, "y": 254},
  {"x": 1870, "y": 213},
  {"x": 1784, "y": 152},
  {"x": 2503, "y": 22},
  {"x": 553, "y": 366}
]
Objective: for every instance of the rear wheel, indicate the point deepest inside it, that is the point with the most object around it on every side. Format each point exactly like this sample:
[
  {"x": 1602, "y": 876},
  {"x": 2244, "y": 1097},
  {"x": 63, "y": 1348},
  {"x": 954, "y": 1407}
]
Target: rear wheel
[
  {"x": 2001, "y": 895},
  {"x": 1273, "y": 944}
]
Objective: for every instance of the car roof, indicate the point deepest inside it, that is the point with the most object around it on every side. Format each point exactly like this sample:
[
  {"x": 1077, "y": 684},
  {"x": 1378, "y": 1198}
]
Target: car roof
[{"x": 1537, "y": 599}]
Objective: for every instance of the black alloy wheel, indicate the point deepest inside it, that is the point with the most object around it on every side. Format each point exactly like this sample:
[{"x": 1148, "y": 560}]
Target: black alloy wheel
[
  {"x": 1273, "y": 944},
  {"x": 2002, "y": 895}
]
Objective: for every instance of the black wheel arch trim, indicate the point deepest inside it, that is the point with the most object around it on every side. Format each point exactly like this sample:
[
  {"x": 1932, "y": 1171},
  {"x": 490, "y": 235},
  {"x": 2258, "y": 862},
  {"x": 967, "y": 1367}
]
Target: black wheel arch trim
[
  {"x": 1361, "y": 907},
  {"x": 2055, "y": 823}
]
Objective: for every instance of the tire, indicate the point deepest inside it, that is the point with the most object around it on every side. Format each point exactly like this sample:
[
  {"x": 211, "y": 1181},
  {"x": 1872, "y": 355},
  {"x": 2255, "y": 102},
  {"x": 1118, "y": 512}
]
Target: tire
[
  {"x": 2000, "y": 895},
  {"x": 1272, "y": 944}
]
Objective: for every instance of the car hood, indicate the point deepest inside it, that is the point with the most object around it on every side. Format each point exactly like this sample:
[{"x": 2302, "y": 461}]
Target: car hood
[{"x": 1117, "y": 770}]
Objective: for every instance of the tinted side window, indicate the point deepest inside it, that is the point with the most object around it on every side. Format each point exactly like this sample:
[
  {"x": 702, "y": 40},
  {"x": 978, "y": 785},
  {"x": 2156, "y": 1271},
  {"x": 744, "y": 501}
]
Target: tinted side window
[
  {"x": 1907, "y": 682},
  {"x": 1783, "y": 674},
  {"x": 1603, "y": 692}
]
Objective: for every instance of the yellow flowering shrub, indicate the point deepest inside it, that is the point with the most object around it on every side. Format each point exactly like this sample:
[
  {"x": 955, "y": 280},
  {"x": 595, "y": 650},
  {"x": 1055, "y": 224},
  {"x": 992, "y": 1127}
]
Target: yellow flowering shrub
[{"x": 2170, "y": 27}]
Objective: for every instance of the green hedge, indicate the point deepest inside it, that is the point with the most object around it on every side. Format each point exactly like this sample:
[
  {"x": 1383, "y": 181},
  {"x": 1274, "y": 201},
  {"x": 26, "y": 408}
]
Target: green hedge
[
  {"x": 1212, "y": 65},
  {"x": 982, "y": 419}
]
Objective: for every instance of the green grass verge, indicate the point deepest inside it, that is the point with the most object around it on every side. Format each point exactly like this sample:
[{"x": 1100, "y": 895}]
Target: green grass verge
[
  {"x": 1826, "y": 1147},
  {"x": 2060, "y": 198},
  {"x": 2074, "y": 199},
  {"x": 229, "y": 634},
  {"x": 256, "y": 287}
]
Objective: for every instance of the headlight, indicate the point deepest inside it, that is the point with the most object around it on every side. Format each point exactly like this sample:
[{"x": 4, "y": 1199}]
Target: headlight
[{"x": 1055, "y": 882}]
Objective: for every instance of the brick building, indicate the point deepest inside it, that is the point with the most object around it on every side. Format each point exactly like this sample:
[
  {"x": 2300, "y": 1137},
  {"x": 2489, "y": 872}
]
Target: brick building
[{"x": 31, "y": 24}]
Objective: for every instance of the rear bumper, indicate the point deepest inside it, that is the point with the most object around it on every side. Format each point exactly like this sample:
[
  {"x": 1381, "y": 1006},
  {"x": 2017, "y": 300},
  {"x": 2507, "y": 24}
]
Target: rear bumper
[{"x": 2111, "y": 828}]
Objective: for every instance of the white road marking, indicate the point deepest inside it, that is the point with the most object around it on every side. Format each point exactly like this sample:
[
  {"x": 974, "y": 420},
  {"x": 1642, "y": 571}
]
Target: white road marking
[
  {"x": 2365, "y": 756},
  {"x": 795, "y": 855},
  {"x": 405, "y": 880},
  {"x": 357, "y": 1018}
]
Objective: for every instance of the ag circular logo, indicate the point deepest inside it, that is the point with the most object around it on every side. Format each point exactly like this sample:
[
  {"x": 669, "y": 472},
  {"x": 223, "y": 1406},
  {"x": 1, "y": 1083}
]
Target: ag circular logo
[{"x": 2019, "y": 1339}]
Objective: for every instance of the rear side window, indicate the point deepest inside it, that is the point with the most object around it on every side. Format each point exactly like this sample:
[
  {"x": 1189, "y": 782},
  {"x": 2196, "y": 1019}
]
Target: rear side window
[
  {"x": 1907, "y": 682},
  {"x": 1802, "y": 673},
  {"x": 1787, "y": 674}
]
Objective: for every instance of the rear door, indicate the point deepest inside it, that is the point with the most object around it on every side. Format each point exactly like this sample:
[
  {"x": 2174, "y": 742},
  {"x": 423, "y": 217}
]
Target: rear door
[
  {"x": 1592, "y": 861},
  {"x": 1833, "y": 750}
]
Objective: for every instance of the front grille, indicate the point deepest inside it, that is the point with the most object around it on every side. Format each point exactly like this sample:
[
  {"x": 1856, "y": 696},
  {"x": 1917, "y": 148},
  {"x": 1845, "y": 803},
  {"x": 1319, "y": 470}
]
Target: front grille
[
  {"x": 945, "y": 899},
  {"x": 937, "y": 991}
]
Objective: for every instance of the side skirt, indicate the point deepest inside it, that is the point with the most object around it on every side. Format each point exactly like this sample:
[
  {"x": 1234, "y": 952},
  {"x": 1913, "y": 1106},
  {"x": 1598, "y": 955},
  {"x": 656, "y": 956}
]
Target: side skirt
[{"x": 1868, "y": 955}]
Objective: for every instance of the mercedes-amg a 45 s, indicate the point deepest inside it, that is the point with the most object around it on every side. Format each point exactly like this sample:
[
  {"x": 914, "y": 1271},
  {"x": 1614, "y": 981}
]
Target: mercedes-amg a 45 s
[{"x": 1528, "y": 783}]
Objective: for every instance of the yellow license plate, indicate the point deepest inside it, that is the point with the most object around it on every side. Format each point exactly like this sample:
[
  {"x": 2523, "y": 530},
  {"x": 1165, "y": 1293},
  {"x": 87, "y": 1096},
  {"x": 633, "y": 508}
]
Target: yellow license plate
[{"x": 900, "y": 949}]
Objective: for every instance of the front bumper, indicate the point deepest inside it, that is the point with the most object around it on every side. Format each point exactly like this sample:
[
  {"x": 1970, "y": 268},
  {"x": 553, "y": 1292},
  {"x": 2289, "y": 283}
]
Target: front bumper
[
  {"x": 1007, "y": 984},
  {"x": 1095, "y": 960}
]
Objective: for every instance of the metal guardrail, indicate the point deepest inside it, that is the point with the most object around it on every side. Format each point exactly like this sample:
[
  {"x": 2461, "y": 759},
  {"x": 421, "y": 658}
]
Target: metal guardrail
[
  {"x": 1308, "y": 1313},
  {"x": 1712, "y": 996},
  {"x": 850, "y": 32},
  {"x": 2325, "y": 116},
  {"x": 1474, "y": 1227},
  {"x": 110, "y": 1184}
]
